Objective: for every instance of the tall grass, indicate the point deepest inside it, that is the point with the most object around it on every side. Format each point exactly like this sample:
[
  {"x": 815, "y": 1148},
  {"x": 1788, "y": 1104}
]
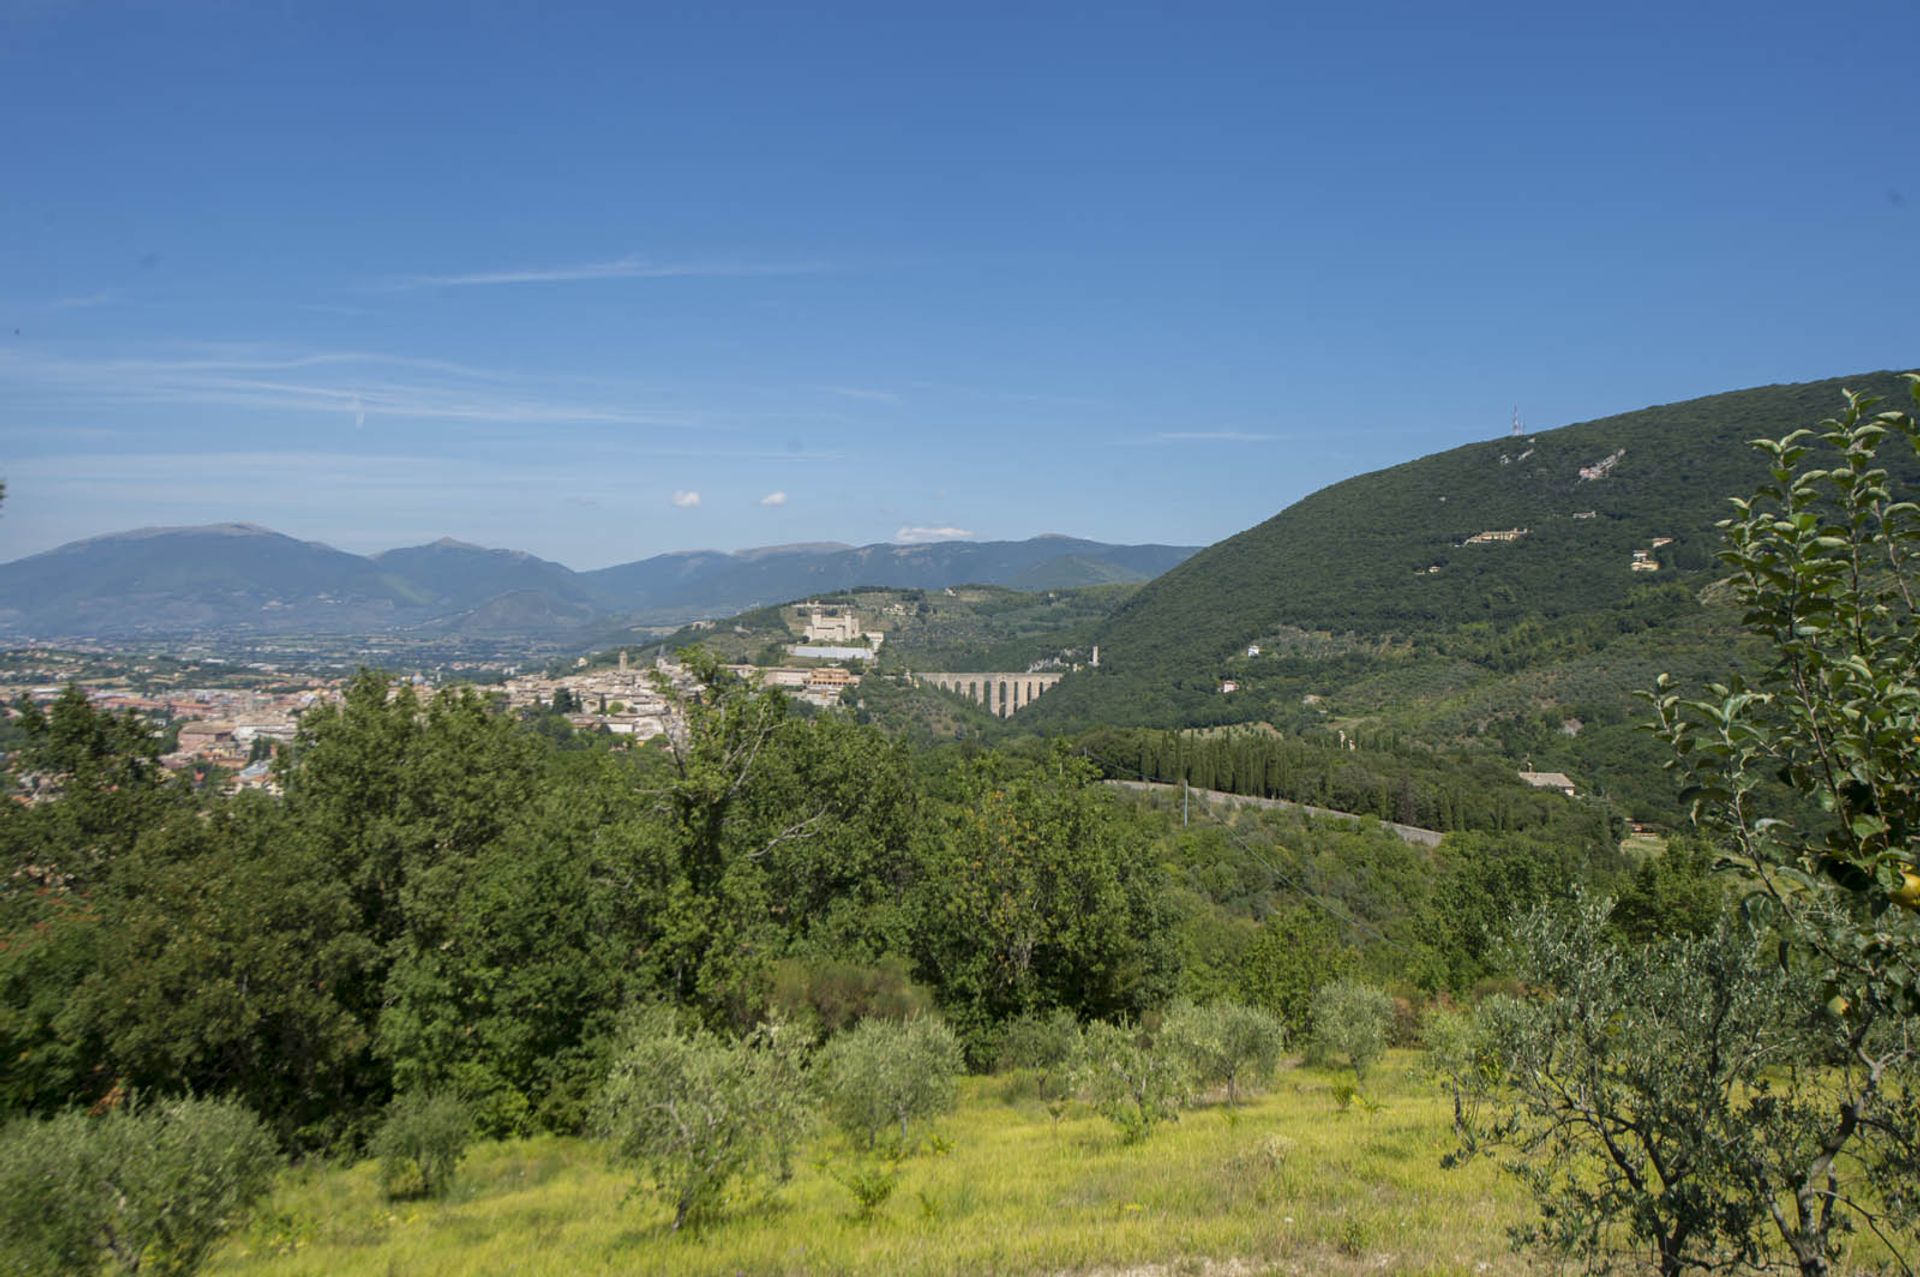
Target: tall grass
[{"x": 1288, "y": 1182}]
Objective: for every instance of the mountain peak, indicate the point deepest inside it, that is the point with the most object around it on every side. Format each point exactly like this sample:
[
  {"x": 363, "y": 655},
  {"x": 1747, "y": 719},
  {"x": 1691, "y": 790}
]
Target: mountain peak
[
  {"x": 175, "y": 530},
  {"x": 792, "y": 547}
]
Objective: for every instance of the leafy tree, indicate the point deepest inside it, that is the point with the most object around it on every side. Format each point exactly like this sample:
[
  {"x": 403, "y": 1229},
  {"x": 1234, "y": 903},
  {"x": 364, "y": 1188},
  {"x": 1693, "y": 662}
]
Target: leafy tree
[
  {"x": 399, "y": 799},
  {"x": 421, "y": 1142},
  {"x": 1823, "y": 559},
  {"x": 1352, "y": 1018},
  {"x": 1658, "y": 1096},
  {"x": 1049, "y": 1043},
  {"x": 223, "y": 945},
  {"x": 887, "y": 1077},
  {"x": 1129, "y": 1080},
  {"x": 506, "y": 988},
  {"x": 50, "y": 1049},
  {"x": 1673, "y": 894},
  {"x": 141, "y": 1190},
  {"x": 103, "y": 768},
  {"x": 1484, "y": 879},
  {"x": 842, "y": 811},
  {"x": 1038, "y": 894},
  {"x": 1225, "y": 1044},
  {"x": 746, "y": 812},
  {"x": 696, "y": 1113},
  {"x": 1048, "y": 1048},
  {"x": 74, "y": 741},
  {"x": 1298, "y": 950},
  {"x": 400, "y": 794}
]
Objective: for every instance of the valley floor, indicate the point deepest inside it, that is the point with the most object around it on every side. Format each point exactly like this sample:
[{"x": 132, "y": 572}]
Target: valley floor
[{"x": 1290, "y": 1184}]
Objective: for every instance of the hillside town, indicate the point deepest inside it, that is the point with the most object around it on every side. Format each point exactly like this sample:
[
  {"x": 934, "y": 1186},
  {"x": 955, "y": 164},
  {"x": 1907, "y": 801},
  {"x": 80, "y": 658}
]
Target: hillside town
[{"x": 234, "y": 731}]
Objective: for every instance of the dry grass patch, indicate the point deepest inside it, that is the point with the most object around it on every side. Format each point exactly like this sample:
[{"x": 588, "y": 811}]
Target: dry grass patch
[{"x": 1289, "y": 1184}]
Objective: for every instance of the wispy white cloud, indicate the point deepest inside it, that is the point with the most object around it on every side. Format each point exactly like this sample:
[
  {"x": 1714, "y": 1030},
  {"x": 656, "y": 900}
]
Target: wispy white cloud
[
  {"x": 774, "y": 498},
  {"x": 863, "y": 394},
  {"x": 86, "y": 301},
  {"x": 921, "y": 536},
  {"x": 685, "y": 500},
  {"x": 352, "y": 384},
  {"x": 1212, "y": 436},
  {"x": 1038, "y": 399},
  {"x": 245, "y": 358},
  {"x": 632, "y": 266}
]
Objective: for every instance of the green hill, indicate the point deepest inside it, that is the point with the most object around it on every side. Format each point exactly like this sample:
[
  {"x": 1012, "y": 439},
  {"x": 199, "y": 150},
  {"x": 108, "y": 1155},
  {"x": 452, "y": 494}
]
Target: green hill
[{"x": 1373, "y": 607}]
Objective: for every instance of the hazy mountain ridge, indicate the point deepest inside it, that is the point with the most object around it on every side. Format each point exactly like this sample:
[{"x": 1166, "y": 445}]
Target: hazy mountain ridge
[
  {"x": 740, "y": 582},
  {"x": 245, "y": 578}
]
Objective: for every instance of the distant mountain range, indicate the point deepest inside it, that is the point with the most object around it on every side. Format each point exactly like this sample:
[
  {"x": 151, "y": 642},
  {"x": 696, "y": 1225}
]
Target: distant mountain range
[{"x": 242, "y": 578}]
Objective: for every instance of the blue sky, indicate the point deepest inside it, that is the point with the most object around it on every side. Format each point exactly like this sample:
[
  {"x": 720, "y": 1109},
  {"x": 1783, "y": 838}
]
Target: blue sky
[{"x": 538, "y": 276}]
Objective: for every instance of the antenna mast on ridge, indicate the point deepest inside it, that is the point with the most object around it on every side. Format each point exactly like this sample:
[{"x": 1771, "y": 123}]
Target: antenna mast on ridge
[{"x": 1516, "y": 421}]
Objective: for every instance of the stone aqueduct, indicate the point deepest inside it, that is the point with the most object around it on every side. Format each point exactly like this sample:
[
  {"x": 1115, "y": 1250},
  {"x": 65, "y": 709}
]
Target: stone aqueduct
[{"x": 1002, "y": 694}]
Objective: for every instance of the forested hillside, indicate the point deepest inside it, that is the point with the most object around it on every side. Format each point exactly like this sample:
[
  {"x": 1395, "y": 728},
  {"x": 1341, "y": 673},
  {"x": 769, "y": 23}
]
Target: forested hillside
[
  {"x": 1372, "y": 607},
  {"x": 968, "y": 627}
]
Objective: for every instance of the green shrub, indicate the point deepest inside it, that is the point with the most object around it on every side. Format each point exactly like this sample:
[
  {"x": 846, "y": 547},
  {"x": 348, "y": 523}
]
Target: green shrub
[
  {"x": 1046, "y": 1050},
  {"x": 1352, "y": 1019},
  {"x": 889, "y": 1078},
  {"x": 838, "y": 995},
  {"x": 421, "y": 1143},
  {"x": 694, "y": 1112},
  {"x": 1452, "y": 1043},
  {"x": 1128, "y": 1082},
  {"x": 1225, "y": 1044},
  {"x": 1403, "y": 1028},
  {"x": 871, "y": 1183},
  {"x": 1048, "y": 1044},
  {"x": 147, "y": 1190}
]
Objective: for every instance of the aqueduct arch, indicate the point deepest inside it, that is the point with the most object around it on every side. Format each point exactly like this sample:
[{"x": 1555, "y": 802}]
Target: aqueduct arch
[{"x": 1002, "y": 694}]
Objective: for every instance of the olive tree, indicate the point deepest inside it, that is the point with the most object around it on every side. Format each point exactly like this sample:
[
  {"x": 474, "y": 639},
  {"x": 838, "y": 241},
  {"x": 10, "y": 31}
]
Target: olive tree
[
  {"x": 147, "y": 1188},
  {"x": 1047, "y": 1049},
  {"x": 1352, "y": 1018},
  {"x": 1226, "y": 1044},
  {"x": 887, "y": 1077},
  {"x": 1824, "y": 558},
  {"x": 1048, "y": 1044},
  {"x": 1129, "y": 1080},
  {"x": 695, "y": 1113},
  {"x": 1630, "y": 1085}
]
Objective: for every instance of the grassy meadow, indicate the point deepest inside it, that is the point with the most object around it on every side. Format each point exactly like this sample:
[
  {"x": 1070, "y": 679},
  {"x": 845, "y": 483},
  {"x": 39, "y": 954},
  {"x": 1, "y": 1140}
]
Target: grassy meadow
[{"x": 1290, "y": 1183}]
